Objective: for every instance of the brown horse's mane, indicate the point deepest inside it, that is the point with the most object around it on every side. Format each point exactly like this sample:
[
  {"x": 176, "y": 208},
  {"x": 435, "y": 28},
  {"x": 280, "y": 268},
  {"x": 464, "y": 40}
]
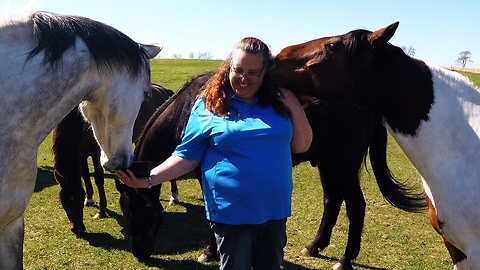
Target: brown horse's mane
[
  {"x": 394, "y": 72},
  {"x": 353, "y": 44}
]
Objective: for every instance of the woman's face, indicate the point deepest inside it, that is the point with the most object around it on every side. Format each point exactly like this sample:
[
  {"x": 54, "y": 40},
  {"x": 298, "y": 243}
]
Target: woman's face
[{"x": 246, "y": 74}]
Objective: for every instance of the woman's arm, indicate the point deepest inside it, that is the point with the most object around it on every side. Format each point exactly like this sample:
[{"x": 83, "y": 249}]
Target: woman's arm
[
  {"x": 302, "y": 132},
  {"x": 170, "y": 169}
]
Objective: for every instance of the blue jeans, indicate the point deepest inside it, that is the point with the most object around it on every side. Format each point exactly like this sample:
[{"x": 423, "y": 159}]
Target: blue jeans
[{"x": 246, "y": 247}]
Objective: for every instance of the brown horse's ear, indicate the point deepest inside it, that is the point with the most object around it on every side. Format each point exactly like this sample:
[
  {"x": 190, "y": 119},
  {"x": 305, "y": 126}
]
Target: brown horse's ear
[{"x": 382, "y": 36}]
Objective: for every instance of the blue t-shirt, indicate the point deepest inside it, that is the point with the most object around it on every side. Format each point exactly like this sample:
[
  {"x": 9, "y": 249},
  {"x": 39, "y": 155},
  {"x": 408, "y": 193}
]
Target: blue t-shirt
[{"x": 245, "y": 162}]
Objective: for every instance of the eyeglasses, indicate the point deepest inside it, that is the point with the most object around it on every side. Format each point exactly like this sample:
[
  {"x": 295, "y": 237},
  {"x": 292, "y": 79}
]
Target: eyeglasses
[{"x": 251, "y": 76}]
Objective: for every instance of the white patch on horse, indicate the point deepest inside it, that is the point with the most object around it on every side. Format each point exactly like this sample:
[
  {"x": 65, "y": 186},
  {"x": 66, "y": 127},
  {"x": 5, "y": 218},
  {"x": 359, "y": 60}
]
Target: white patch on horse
[{"x": 446, "y": 152}]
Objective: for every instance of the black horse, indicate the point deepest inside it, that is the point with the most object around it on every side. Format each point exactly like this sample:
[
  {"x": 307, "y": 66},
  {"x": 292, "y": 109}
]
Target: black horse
[
  {"x": 343, "y": 134},
  {"x": 73, "y": 142},
  {"x": 163, "y": 132}
]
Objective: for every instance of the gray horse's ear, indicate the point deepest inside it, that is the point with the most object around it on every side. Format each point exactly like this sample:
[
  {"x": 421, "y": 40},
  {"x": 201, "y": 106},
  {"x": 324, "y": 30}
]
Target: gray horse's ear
[
  {"x": 152, "y": 50},
  {"x": 382, "y": 36}
]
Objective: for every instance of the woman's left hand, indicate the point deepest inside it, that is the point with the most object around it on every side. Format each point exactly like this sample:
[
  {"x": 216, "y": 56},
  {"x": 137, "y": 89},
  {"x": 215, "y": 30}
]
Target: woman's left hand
[
  {"x": 288, "y": 98},
  {"x": 302, "y": 132}
]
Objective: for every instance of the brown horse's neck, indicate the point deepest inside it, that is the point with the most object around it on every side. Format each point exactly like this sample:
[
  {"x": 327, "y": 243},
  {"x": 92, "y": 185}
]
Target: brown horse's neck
[{"x": 403, "y": 93}]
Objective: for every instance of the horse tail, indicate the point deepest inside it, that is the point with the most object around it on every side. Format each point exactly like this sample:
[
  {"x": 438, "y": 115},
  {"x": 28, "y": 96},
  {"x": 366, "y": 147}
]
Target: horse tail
[{"x": 396, "y": 193}]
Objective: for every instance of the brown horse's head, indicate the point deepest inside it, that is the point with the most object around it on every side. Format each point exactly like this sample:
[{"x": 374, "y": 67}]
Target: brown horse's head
[
  {"x": 331, "y": 68},
  {"x": 363, "y": 68}
]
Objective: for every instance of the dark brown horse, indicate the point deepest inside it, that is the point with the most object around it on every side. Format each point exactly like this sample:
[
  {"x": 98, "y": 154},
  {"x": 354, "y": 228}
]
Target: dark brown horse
[
  {"x": 74, "y": 143},
  {"x": 342, "y": 135},
  {"x": 432, "y": 113}
]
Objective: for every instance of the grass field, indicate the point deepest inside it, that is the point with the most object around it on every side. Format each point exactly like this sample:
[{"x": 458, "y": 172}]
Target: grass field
[{"x": 392, "y": 239}]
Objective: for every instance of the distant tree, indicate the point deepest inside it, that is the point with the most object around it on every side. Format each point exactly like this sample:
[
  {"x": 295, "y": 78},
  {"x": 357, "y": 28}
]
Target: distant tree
[
  {"x": 410, "y": 51},
  {"x": 204, "y": 55},
  {"x": 177, "y": 56},
  {"x": 463, "y": 58},
  {"x": 191, "y": 55}
]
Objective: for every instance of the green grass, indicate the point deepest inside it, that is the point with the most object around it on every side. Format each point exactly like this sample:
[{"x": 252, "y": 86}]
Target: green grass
[
  {"x": 172, "y": 73},
  {"x": 392, "y": 239},
  {"x": 474, "y": 77}
]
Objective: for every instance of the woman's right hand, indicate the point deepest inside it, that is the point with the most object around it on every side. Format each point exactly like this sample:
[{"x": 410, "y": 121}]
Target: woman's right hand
[{"x": 129, "y": 179}]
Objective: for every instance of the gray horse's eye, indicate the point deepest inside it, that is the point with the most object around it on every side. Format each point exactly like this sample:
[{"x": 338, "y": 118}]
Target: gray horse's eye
[{"x": 147, "y": 95}]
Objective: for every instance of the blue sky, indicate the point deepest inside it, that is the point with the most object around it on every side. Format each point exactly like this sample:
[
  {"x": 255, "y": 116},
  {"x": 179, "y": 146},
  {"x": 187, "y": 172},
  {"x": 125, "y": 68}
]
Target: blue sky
[{"x": 438, "y": 29}]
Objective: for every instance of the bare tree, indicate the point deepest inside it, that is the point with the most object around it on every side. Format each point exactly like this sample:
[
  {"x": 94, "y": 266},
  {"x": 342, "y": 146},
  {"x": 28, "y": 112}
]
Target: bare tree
[
  {"x": 191, "y": 55},
  {"x": 204, "y": 55},
  {"x": 410, "y": 51},
  {"x": 463, "y": 58}
]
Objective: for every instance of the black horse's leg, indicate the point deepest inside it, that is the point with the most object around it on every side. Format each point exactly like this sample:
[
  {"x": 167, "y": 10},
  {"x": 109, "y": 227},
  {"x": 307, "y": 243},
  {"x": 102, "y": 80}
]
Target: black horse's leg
[
  {"x": 100, "y": 183},
  {"x": 332, "y": 202},
  {"x": 85, "y": 172},
  {"x": 210, "y": 253},
  {"x": 174, "y": 191},
  {"x": 355, "y": 206}
]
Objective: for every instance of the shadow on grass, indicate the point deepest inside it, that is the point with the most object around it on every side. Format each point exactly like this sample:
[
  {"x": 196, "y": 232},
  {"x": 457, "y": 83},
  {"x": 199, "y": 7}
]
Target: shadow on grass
[
  {"x": 179, "y": 264},
  {"x": 45, "y": 178},
  {"x": 334, "y": 260},
  {"x": 180, "y": 233},
  {"x": 291, "y": 266},
  {"x": 183, "y": 232},
  {"x": 103, "y": 240}
]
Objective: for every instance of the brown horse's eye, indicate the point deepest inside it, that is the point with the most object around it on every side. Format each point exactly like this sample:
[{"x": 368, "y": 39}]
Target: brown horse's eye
[{"x": 331, "y": 47}]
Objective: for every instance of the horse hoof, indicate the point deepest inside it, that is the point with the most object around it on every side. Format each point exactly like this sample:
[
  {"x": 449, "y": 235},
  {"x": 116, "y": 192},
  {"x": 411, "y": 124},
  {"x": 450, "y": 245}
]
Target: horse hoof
[
  {"x": 78, "y": 230},
  {"x": 340, "y": 266},
  {"x": 173, "y": 202},
  {"x": 100, "y": 215},
  {"x": 203, "y": 259},
  {"x": 307, "y": 252},
  {"x": 174, "y": 199},
  {"x": 89, "y": 202}
]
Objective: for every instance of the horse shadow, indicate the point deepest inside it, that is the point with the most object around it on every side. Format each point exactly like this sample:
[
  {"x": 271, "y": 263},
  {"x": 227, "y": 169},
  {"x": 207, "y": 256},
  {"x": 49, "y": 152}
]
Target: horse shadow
[
  {"x": 179, "y": 264},
  {"x": 334, "y": 260},
  {"x": 45, "y": 178},
  {"x": 291, "y": 266},
  {"x": 183, "y": 232},
  {"x": 179, "y": 233}
]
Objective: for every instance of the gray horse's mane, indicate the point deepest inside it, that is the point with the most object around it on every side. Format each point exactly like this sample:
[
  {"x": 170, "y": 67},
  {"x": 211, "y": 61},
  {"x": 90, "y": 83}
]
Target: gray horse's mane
[{"x": 110, "y": 48}]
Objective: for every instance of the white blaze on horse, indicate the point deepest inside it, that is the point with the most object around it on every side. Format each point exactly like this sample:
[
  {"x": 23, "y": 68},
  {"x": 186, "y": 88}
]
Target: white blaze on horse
[
  {"x": 433, "y": 114},
  {"x": 50, "y": 64}
]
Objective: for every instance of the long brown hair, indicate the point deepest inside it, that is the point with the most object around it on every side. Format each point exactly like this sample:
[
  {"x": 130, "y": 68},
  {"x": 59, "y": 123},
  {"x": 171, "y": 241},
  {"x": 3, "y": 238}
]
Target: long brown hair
[{"x": 218, "y": 89}]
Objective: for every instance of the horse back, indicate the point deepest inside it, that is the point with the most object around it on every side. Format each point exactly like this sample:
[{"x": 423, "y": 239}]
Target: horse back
[
  {"x": 159, "y": 95},
  {"x": 66, "y": 139},
  {"x": 165, "y": 128}
]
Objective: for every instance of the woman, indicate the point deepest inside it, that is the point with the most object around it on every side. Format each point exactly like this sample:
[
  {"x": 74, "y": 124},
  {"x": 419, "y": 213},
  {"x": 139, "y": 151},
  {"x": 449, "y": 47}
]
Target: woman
[{"x": 241, "y": 131}]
